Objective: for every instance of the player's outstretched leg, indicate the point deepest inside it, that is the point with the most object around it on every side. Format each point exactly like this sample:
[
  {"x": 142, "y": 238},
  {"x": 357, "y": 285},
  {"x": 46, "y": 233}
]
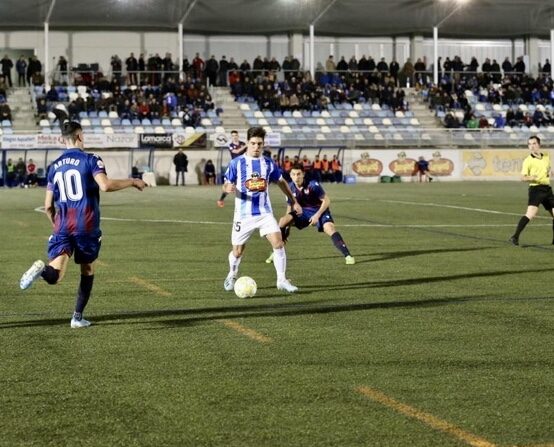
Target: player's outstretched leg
[
  {"x": 234, "y": 263},
  {"x": 339, "y": 243},
  {"x": 514, "y": 240},
  {"x": 32, "y": 274},
  {"x": 280, "y": 264}
]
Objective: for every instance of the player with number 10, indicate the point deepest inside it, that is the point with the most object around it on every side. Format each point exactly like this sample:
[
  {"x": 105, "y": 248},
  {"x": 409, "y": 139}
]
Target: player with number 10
[{"x": 72, "y": 204}]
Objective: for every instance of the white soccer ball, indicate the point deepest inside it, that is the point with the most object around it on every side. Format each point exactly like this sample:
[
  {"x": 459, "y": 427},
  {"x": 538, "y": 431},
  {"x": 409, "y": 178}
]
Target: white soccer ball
[{"x": 245, "y": 287}]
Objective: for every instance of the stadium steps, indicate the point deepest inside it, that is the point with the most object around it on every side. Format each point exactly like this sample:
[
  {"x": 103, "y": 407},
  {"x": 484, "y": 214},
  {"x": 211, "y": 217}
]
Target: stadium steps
[
  {"x": 427, "y": 119},
  {"x": 232, "y": 117},
  {"x": 23, "y": 113}
]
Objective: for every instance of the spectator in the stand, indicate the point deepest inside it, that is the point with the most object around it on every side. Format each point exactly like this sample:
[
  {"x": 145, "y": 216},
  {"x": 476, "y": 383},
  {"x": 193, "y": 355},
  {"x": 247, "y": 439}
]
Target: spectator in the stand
[
  {"x": 330, "y": 66},
  {"x": 342, "y": 65},
  {"x": 245, "y": 68},
  {"x": 141, "y": 67},
  {"x": 363, "y": 64},
  {"x": 295, "y": 63},
  {"x": 546, "y": 68},
  {"x": 3, "y": 88},
  {"x": 232, "y": 64},
  {"x": 34, "y": 68},
  {"x": 7, "y": 65},
  {"x": 198, "y": 66},
  {"x": 487, "y": 66},
  {"x": 394, "y": 68},
  {"x": 371, "y": 64},
  {"x": 167, "y": 66},
  {"x": 519, "y": 66},
  {"x": 420, "y": 68},
  {"x": 186, "y": 67},
  {"x": 258, "y": 66},
  {"x": 382, "y": 66},
  {"x": 274, "y": 64},
  {"x": 407, "y": 73},
  {"x": 21, "y": 68},
  {"x": 223, "y": 68},
  {"x": 117, "y": 67},
  {"x": 287, "y": 66},
  {"x": 209, "y": 172},
  {"x": 61, "y": 66},
  {"x": 5, "y": 112},
  {"x": 507, "y": 66},
  {"x": 353, "y": 64},
  {"x": 473, "y": 65},
  {"x": 132, "y": 66},
  {"x": 495, "y": 70}
]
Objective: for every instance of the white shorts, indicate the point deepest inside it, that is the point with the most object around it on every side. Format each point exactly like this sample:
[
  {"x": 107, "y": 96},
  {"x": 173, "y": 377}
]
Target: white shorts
[{"x": 243, "y": 228}]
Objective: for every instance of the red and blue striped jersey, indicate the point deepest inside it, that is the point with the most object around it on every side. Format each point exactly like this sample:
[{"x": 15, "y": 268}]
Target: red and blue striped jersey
[
  {"x": 308, "y": 196},
  {"x": 76, "y": 193}
]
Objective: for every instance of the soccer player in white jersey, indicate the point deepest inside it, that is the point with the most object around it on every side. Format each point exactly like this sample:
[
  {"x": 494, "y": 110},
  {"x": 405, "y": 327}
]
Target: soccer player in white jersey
[{"x": 248, "y": 176}]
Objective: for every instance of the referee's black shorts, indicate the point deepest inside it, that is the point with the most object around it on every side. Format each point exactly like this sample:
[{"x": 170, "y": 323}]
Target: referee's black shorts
[{"x": 541, "y": 195}]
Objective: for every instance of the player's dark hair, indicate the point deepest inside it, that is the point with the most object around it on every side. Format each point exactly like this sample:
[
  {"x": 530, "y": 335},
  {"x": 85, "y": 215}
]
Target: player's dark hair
[
  {"x": 69, "y": 128},
  {"x": 256, "y": 132},
  {"x": 297, "y": 166},
  {"x": 535, "y": 137},
  {"x": 234, "y": 131}
]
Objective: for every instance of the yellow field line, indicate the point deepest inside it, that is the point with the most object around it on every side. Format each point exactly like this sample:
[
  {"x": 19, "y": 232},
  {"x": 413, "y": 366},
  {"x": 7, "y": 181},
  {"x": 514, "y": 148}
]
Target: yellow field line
[
  {"x": 147, "y": 285},
  {"x": 426, "y": 418},
  {"x": 250, "y": 333}
]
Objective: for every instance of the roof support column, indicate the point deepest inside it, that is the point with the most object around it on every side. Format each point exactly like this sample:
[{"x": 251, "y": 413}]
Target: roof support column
[
  {"x": 552, "y": 54},
  {"x": 312, "y": 49},
  {"x": 46, "y": 58},
  {"x": 180, "y": 46},
  {"x": 532, "y": 53},
  {"x": 435, "y": 55}
]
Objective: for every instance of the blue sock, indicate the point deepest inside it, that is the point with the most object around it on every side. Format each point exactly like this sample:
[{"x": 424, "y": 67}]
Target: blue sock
[
  {"x": 83, "y": 293},
  {"x": 340, "y": 244}
]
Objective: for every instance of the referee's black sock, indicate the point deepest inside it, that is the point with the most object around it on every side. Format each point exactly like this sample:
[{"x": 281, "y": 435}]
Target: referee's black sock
[{"x": 521, "y": 225}]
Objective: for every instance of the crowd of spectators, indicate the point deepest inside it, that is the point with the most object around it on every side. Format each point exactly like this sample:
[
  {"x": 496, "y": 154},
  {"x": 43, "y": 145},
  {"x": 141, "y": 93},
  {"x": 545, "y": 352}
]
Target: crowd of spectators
[
  {"x": 299, "y": 92},
  {"x": 514, "y": 92},
  {"x": 165, "y": 100}
]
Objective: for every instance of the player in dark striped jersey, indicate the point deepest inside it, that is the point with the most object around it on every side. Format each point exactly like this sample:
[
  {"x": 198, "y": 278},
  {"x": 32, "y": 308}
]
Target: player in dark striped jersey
[
  {"x": 315, "y": 211},
  {"x": 236, "y": 148},
  {"x": 72, "y": 204}
]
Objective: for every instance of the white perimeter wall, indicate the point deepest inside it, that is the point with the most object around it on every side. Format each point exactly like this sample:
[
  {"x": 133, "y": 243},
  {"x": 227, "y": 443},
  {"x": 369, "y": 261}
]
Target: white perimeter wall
[{"x": 99, "y": 46}]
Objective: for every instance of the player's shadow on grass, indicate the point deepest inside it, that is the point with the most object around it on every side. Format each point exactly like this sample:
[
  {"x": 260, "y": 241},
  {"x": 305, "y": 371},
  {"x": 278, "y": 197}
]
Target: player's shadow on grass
[
  {"x": 383, "y": 256},
  {"x": 190, "y": 317},
  {"x": 408, "y": 253}
]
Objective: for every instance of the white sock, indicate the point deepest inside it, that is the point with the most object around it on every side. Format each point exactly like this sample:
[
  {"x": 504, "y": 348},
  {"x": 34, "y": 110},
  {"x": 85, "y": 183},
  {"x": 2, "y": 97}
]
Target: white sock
[
  {"x": 280, "y": 263},
  {"x": 233, "y": 265}
]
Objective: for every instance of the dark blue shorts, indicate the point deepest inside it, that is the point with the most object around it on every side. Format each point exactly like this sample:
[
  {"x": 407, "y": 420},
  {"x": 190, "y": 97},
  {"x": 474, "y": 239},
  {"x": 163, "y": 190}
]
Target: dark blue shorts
[
  {"x": 303, "y": 220},
  {"x": 86, "y": 248}
]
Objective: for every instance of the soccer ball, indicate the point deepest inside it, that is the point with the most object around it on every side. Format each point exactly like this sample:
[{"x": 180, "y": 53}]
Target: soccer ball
[{"x": 245, "y": 287}]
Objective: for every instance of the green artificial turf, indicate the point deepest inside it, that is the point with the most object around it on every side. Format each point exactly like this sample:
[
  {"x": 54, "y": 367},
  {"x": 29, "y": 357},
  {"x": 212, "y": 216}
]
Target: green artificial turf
[{"x": 440, "y": 313}]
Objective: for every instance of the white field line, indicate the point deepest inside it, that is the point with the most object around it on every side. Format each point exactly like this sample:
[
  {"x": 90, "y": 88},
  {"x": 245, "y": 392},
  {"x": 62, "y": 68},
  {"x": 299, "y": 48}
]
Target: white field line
[{"x": 368, "y": 225}]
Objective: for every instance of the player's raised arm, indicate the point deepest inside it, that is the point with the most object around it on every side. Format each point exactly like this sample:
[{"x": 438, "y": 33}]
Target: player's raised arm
[
  {"x": 284, "y": 186},
  {"x": 109, "y": 185}
]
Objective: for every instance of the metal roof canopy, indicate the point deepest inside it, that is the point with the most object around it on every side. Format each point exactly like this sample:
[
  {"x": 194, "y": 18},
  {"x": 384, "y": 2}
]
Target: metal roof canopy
[{"x": 477, "y": 19}]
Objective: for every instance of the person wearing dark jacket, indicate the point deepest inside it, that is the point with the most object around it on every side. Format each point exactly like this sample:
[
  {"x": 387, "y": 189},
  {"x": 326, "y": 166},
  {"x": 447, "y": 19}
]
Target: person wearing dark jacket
[{"x": 181, "y": 162}]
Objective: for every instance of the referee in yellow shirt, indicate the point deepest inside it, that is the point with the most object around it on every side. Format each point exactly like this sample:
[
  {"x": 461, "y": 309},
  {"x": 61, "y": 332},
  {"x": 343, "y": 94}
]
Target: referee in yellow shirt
[{"x": 536, "y": 171}]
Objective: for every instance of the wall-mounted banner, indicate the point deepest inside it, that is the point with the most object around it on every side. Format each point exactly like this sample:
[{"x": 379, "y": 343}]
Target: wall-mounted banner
[
  {"x": 493, "y": 163},
  {"x": 162, "y": 140},
  {"x": 192, "y": 140}
]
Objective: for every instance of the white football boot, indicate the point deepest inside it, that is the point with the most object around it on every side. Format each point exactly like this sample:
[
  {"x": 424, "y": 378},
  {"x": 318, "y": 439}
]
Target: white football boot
[{"x": 31, "y": 275}]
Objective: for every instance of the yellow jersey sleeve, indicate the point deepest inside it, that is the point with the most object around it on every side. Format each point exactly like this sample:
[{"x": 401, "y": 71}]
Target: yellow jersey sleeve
[{"x": 539, "y": 168}]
